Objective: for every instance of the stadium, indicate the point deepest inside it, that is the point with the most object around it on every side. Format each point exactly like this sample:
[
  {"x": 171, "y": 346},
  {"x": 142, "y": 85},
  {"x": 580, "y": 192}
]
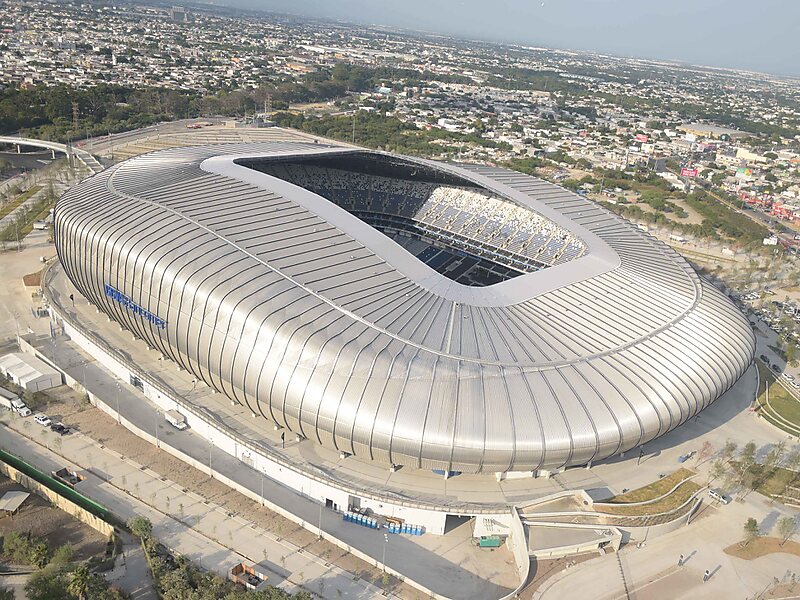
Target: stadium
[{"x": 403, "y": 311}]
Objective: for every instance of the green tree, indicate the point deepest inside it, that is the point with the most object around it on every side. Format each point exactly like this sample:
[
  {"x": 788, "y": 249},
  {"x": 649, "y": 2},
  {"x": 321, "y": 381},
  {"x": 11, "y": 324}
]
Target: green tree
[
  {"x": 787, "y": 527},
  {"x": 141, "y": 527},
  {"x": 728, "y": 450},
  {"x": 79, "y": 585},
  {"x": 39, "y": 554},
  {"x": 63, "y": 555},
  {"x": 6, "y": 594},
  {"x": 717, "y": 470},
  {"x": 16, "y": 546},
  {"x": 47, "y": 584},
  {"x": 751, "y": 531},
  {"x": 747, "y": 459}
]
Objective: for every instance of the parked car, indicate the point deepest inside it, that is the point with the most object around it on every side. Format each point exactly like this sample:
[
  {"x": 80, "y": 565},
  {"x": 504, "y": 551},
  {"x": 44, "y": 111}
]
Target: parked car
[
  {"x": 42, "y": 419},
  {"x": 776, "y": 368},
  {"x": 764, "y": 359},
  {"x": 60, "y": 428},
  {"x": 718, "y": 495}
]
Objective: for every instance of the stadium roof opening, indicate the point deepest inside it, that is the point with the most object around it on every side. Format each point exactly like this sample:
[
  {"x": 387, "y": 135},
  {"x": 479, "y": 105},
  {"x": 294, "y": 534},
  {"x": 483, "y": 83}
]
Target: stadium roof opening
[{"x": 461, "y": 230}]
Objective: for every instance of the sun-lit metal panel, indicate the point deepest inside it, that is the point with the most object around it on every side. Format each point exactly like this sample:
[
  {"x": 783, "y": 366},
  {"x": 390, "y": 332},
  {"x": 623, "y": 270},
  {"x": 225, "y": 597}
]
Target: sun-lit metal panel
[{"x": 293, "y": 306}]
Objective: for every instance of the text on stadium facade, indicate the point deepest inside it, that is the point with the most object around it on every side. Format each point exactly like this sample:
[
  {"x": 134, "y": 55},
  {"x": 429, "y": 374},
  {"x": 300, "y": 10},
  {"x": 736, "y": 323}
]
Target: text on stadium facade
[{"x": 118, "y": 296}]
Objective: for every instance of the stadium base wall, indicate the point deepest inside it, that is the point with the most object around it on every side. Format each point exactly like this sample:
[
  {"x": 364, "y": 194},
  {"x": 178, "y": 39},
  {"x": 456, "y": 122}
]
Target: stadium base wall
[{"x": 432, "y": 521}]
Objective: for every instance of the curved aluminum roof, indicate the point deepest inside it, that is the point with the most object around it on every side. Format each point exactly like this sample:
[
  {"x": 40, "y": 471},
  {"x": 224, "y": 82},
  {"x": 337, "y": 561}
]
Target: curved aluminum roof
[{"x": 290, "y": 305}]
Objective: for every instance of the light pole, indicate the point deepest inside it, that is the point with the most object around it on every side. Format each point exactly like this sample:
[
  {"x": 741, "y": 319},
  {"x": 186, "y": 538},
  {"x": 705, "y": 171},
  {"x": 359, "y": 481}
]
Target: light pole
[
  {"x": 319, "y": 528},
  {"x": 155, "y": 417},
  {"x": 385, "y": 543},
  {"x": 262, "y": 487},
  {"x": 118, "y": 415}
]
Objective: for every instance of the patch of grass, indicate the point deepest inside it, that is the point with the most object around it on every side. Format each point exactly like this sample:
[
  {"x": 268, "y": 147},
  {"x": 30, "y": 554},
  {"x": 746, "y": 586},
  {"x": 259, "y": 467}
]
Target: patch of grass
[
  {"x": 653, "y": 490},
  {"x": 780, "y": 400},
  {"x": 762, "y": 547},
  {"x": 16, "y": 202},
  {"x": 774, "y": 482},
  {"x": 38, "y": 217},
  {"x": 621, "y": 505}
]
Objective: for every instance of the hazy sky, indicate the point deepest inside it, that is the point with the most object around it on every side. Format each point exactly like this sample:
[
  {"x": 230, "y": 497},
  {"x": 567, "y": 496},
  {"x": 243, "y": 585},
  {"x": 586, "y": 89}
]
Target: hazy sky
[{"x": 760, "y": 35}]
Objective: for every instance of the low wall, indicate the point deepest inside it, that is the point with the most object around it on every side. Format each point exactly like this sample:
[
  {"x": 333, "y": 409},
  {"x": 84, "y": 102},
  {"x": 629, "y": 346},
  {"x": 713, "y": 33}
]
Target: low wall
[
  {"x": 57, "y": 500},
  {"x": 641, "y": 534},
  {"x": 518, "y": 544}
]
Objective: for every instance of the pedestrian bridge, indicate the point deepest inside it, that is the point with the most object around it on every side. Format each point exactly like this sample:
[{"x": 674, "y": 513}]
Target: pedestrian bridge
[{"x": 87, "y": 159}]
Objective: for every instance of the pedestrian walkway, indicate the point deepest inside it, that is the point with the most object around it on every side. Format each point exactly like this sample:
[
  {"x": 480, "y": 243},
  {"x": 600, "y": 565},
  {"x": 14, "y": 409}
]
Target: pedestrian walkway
[
  {"x": 651, "y": 570},
  {"x": 131, "y": 573},
  {"x": 185, "y": 522}
]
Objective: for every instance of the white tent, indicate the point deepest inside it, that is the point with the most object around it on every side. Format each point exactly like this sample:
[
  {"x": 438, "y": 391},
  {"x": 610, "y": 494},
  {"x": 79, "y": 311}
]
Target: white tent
[{"x": 29, "y": 372}]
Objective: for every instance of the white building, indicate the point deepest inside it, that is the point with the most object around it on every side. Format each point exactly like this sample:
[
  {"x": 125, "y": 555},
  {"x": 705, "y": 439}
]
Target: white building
[{"x": 29, "y": 372}]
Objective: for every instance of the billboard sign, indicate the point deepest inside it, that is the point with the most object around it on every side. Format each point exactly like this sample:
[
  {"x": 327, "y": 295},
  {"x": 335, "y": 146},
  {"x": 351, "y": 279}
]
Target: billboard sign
[
  {"x": 687, "y": 172},
  {"x": 640, "y": 137}
]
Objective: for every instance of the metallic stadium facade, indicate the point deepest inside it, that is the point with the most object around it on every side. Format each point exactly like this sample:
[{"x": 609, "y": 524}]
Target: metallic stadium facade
[{"x": 563, "y": 334}]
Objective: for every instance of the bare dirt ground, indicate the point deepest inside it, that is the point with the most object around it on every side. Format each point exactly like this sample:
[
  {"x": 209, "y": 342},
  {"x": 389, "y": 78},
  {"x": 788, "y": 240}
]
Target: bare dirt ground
[
  {"x": 761, "y": 547},
  {"x": 37, "y": 517},
  {"x": 65, "y": 405},
  {"x": 694, "y": 217}
]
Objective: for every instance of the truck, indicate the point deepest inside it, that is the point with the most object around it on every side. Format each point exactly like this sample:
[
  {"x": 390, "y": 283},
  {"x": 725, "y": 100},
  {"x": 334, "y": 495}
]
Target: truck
[
  {"x": 12, "y": 402},
  {"x": 176, "y": 419}
]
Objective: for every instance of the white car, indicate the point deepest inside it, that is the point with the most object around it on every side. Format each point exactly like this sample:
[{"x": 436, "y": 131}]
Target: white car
[
  {"x": 42, "y": 419},
  {"x": 787, "y": 377},
  {"x": 718, "y": 495}
]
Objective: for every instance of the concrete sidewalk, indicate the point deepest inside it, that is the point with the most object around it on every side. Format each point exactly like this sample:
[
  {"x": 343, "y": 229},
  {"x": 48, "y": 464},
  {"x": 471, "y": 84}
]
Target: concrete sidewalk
[
  {"x": 651, "y": 571},
  {"x": 182, "y": 520}
]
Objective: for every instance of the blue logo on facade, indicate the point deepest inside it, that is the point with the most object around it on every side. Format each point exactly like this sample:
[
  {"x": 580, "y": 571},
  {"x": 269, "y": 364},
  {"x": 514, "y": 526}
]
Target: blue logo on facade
[{"x": 118, "y": 296}]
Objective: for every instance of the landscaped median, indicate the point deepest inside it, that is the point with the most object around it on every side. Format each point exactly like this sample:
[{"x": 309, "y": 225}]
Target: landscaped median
[
  {"x": 778, "y": 406},
  {"x": 668, "y": 501},
  {"x": 18, "y": 201},
  {"x": 663, "y": 496}
]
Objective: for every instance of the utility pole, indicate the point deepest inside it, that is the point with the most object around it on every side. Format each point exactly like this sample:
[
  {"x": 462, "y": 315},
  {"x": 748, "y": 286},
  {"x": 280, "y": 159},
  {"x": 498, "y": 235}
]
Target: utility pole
[
  {"x": 354, "y": 125},
  {"x": 75, "y": 114}
]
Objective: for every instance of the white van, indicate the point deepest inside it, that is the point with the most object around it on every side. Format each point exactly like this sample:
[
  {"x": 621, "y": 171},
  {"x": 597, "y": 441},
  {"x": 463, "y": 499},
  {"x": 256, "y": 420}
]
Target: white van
[{"x": 176, "y": 419}]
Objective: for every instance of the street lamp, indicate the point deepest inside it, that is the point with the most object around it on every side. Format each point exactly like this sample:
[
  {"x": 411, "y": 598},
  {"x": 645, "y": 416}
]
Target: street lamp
[
  {"x": 156, "y": 415},
  {"x": 210, "y": 446},
  {"x": 385, "y": 543},
  {"x": 118, "y": 415}
]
